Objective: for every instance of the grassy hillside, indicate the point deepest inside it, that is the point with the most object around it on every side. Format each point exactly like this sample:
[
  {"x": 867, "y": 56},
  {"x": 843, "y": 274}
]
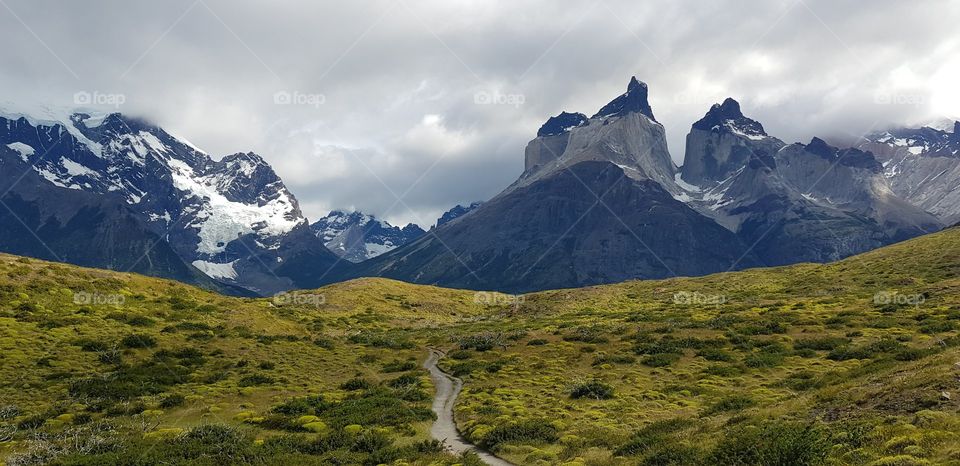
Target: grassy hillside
[{"x": 848, "y": 363}]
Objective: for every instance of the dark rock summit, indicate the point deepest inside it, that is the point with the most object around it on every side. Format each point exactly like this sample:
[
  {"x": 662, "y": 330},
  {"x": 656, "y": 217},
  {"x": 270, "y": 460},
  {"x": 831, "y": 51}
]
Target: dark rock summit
[
  {"x": 634, "y": 100},
  {"x": 562, "y": 123}
]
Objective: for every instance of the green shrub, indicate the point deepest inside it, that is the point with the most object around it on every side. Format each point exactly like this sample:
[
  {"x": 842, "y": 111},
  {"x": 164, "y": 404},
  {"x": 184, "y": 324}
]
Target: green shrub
[
  {"x": 592, "y": 334},
  {"x": 773, "y": 443},
  {"x": 730, "y": 403},
  {"x": 715, "y": 354},
  {"x": 763, "y": 360},
  {"x": 301, "y": 406},
  {"x": 526, "y": 431},
  {"x": 356, "y": 383},
  {"x": 255, "y": 380},
  {"x": 138, "y": 341},
  {"x": 399, "y": 366},
  {"x": 660, "y": 360},
  {"x": 172, "y": 401},
  {"x": 593, "y": 389},
  {"x": 820, "y": 343},
  {"x": 537, "y": 342},
  {"x": 404, "y": 381}
]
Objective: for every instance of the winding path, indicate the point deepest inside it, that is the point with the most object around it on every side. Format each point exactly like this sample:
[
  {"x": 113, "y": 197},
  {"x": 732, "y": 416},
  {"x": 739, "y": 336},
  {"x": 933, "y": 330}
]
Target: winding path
[{"x": 445, "y": 429}]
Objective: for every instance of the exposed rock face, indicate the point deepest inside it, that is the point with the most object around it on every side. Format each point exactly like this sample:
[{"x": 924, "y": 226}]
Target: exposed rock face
[
  {"x": 722, "y": 142},
  {"x": 232, "y": 219},
  {"x": 457, "y": 212},
  {"x": 794, "y": 203},
  {"x": 554, "y": 233},
  {"x": 623, "y": 133},
  {"x": 922, "y": 166},
  {"x": 357, "y": 237}
]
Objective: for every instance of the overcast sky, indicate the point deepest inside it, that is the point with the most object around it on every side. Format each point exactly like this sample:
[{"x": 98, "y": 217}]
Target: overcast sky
[{"x": 405, "y": 108}]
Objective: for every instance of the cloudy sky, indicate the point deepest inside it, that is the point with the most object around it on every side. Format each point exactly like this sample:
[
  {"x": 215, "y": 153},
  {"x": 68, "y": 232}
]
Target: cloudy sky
[{"x": 403, "y": 108}]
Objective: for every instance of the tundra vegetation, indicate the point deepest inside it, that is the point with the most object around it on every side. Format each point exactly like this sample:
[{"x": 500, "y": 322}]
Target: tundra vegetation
[{"x": 856, "y": 362}]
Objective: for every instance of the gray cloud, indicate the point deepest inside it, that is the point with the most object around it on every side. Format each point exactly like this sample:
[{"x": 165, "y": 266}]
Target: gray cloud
[{"x": 434, "y": 100}]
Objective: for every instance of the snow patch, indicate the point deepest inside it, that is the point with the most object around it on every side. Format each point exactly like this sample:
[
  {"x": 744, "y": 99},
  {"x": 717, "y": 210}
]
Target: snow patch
[
  {"x": 217, "y": 271},
  {"x": 24, "y": 150}
]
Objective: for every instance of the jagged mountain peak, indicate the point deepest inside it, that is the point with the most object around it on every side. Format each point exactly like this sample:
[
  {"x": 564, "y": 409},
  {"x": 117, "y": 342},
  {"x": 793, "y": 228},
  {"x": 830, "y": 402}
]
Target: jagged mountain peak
[
  {"x": 728, "y": 117},
  {"x": 956, "y": 131},
  {"x": 820, "y": 147},
  {"x": 635, "y": 100},
  {"x": 457, "y": 212},
  {"x": 561, "y": 123},
  {"x": 848, "y": 157}
]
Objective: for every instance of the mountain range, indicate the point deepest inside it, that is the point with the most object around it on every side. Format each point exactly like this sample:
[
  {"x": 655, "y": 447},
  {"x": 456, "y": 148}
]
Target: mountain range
[{"x": 600, "y": 200}]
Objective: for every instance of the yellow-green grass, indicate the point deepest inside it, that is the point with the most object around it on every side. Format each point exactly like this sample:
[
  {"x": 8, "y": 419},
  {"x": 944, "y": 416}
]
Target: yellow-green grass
[{"x": 807, "y": 357}]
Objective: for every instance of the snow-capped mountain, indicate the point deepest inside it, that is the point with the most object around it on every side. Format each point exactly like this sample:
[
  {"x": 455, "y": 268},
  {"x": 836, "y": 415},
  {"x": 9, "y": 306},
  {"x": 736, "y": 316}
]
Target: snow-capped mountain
[
  {"x": 357, "y": 237},
  {"x": 233, "y": 219},
  {"x": 922, "y": 166},
  {"x": 457, "y": 212}
]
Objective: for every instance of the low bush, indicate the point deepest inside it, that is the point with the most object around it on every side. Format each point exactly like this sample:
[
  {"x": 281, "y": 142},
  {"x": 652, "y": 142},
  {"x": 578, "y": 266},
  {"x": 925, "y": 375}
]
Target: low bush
[
  {"x": 138, "y": 341},
  {"x": 399, "y": 366},
  {"x": 593, "y": 389},
  {"x": 773, "y": 443},
  {"x": 533, "y": 431},
  {"x": 730, "y": 403}
]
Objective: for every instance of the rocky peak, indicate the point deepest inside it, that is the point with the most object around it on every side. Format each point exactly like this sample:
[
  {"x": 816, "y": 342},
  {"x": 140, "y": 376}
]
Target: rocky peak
[
  {"x": 632, "y": 101},
  {"x": 820, "y": 147},
  {"x": 956, "y": 131},
  {"x": 850, "y": 157},
  {"x": 727, "y": 117},
  {"x": 561, "y": 123},
  {"x": 456, "y": 212}
]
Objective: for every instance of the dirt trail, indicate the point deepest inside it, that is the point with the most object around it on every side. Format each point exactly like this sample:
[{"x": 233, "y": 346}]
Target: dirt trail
[{"x": 445, "y": 429}]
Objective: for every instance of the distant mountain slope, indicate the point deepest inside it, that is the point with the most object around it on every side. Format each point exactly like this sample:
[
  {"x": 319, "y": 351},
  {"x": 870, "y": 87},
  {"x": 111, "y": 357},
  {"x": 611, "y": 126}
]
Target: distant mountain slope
[
  {"x": 457, "y": 212},
  {"x": 922, "y": 166},
  {"x": 357, "y": 237}
]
